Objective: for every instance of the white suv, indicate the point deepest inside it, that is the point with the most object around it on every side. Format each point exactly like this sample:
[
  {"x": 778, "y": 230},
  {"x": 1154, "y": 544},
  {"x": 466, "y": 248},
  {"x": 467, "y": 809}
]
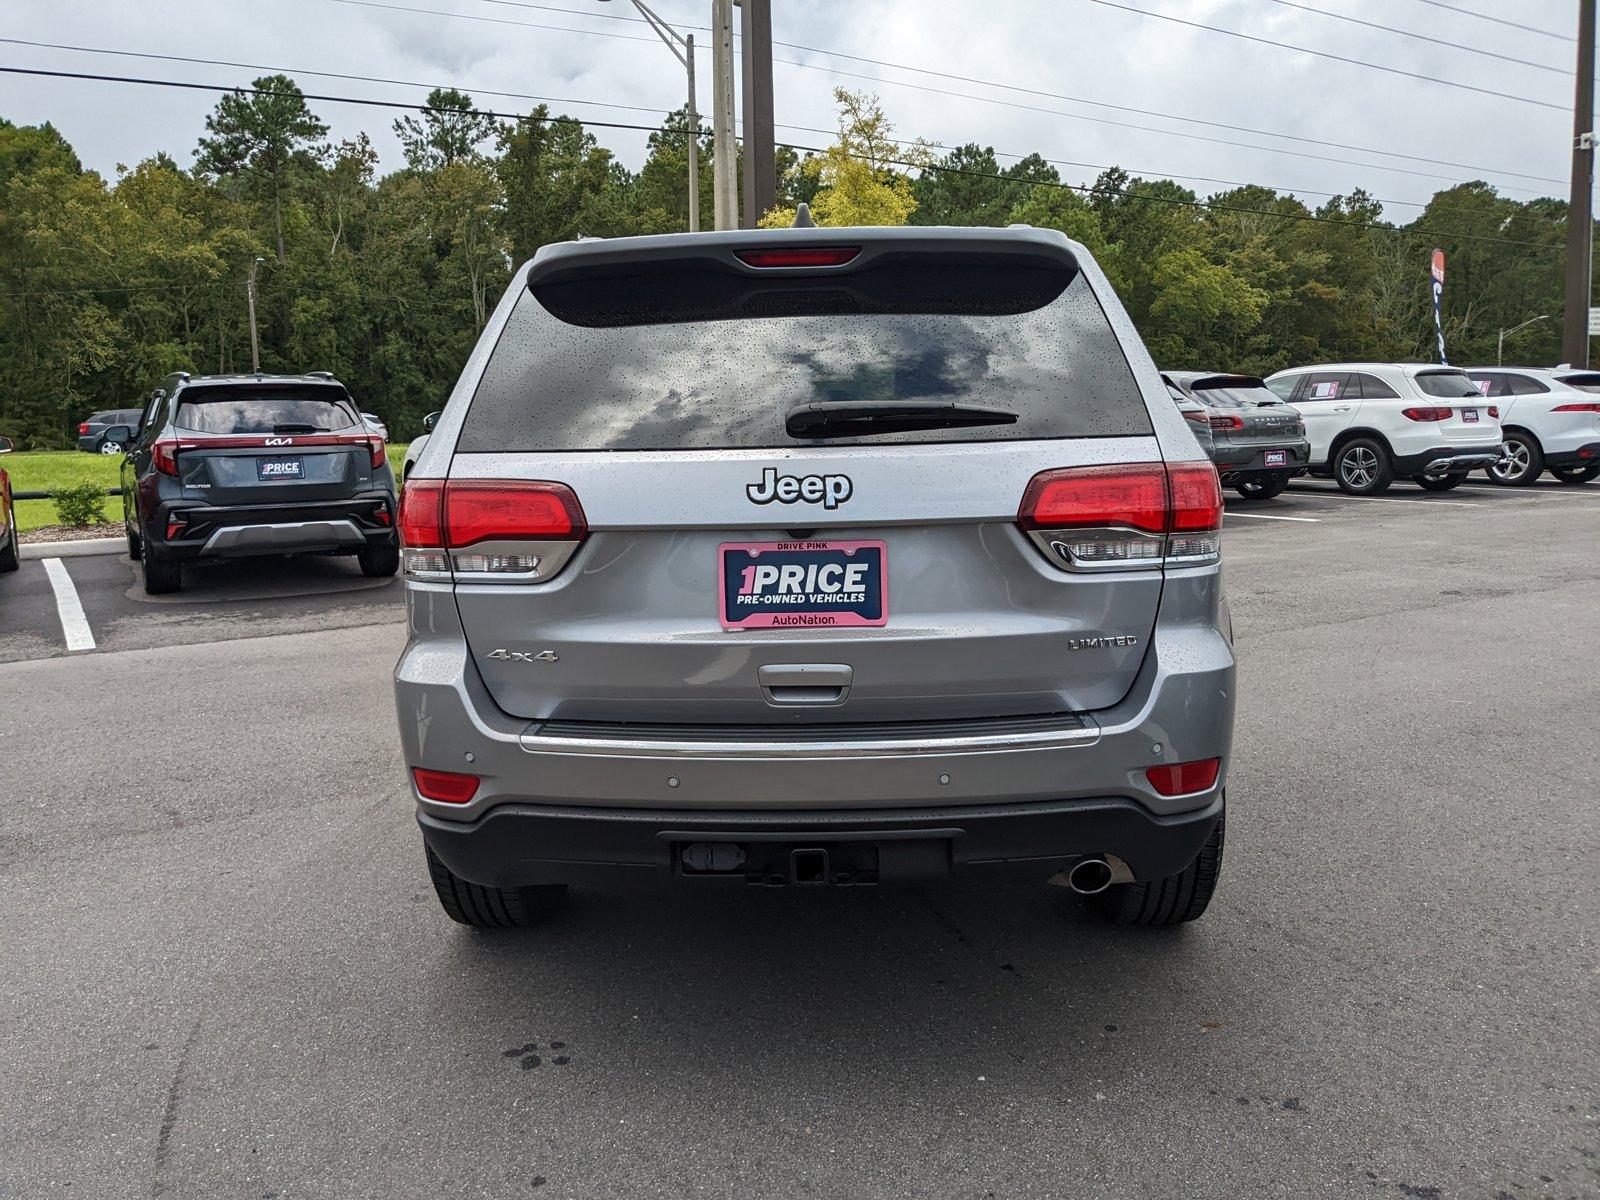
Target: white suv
[
  {"x": 1551, "y": 420},
  {"x": 1372, "y": 423}
]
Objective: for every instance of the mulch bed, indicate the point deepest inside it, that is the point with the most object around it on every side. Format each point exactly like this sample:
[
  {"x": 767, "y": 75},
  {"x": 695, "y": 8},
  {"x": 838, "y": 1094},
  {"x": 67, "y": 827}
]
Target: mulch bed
[{"x": 70, "y": 533}]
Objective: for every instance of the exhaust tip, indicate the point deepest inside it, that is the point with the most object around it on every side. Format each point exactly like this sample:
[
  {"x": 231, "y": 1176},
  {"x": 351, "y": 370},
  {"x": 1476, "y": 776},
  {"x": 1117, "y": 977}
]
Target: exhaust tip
[{"x": 1089, "y": 876}]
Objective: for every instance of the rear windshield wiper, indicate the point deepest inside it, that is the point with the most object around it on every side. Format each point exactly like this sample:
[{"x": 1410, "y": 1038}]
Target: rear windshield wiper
[
  {"x": 298, "y": 428},
  {"x": 847, "y": 418}
]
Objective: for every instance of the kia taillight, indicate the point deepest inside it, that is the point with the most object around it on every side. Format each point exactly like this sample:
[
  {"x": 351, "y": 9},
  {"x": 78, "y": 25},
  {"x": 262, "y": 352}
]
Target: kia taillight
[
  {"x": 1226, "y": 421},
  {"x": 1181, "y": 779},
  {"x": 500, "y": 529},
  {"x": 1133, "y": 515},
  {"x": 1426, "y": 414},
  {"x": 164, "y": 456},
  {"x": 1585, "y": 407},
  {"x": 375, "y": 444}
]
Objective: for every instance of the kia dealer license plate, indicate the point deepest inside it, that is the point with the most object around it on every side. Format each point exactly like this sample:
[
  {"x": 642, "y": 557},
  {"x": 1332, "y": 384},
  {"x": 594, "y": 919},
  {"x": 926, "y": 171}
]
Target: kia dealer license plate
[
  {"x": 280, "y": 468},
  {"x": 1277, "y": 458},
  {"x": 802, "y": 584}
]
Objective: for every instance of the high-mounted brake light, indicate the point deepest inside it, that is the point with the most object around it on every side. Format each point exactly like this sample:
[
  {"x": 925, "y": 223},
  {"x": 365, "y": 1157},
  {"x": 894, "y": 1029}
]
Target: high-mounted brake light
[
  {"x": 1227, "y": 421},
  {"x": 164, "y": 456},
  {"x": 510, "y": 529},
  {"x": 1426, "y": 414},
  {"x": 447, "y": 787},
  {"x": 1130, "y": 515},
  {"x": 1180, "y": 779},
  {"x": 799, "y": 256},
  {"x": 1585, "y": 407}
]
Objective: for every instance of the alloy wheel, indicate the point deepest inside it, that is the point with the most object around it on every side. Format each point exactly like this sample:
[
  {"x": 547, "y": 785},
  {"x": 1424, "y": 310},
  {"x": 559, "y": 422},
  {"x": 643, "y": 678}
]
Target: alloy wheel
[
  {"x": 1359, "y": 467},
  {"x": 1514, "y": 463}
]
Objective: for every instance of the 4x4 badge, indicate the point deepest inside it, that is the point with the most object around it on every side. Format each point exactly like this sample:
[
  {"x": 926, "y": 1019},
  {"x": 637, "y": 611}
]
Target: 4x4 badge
[
  {"x": 523, "y": 656},
  {"x": 828, "y": 490}
]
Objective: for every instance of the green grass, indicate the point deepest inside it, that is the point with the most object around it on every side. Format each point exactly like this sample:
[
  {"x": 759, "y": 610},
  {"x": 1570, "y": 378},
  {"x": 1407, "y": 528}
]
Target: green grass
[{"x": 47, "y": 470}]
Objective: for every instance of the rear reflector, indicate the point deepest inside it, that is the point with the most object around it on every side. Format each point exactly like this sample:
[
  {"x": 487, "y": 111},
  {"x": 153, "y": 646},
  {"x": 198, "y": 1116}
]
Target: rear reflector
[
  {"x": 447, "y": 787},
  {"x": 1132, "y": 515},
  {"x": 1180, "y": 779},
  {"x": 1589, "y": 408},
  {"x": 807, "y": 256},
  {"x": 1427, "y": 414},
  {"x": 1227, "y": 421}
]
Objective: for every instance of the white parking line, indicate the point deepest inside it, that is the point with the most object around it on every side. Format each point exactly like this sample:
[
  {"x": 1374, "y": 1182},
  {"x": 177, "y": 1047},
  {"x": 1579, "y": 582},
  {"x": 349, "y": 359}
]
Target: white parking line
[
  {"x": 1421, "y": 499},
  {"x": 1271, "y": 517},
  {"x": 73, "y": 623}
]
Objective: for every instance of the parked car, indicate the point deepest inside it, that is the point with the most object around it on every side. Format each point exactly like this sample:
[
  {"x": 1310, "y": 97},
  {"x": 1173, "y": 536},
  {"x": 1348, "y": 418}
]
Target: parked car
[
  {"x": 1550, "y": 421},
  {"x": 375, "y": 423},
  {"x": 1257, "y": 441},
  {"x": 415, "y": 449},
  {"x": 9, "y": 537},
  {"x": 93, "y": 434},
  {"x": 1372, "y": 423},
  {"x": 233, "y": 465},
  {"x": 696, "y": 553},
  {"x": 1193, "y": 412}
]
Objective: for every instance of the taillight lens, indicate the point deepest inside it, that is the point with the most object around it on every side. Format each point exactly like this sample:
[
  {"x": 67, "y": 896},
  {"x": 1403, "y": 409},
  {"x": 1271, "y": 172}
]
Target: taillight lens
[
  {"x": 164, "y": 457},
  {"x": 1588, "y": 408},
  {"x": 83, "y": 427},
  {"x": 1426, "y": 414},
  {"x": 1131, "y": 515},
  {"x": 517, "y": 530},
  {"x": 1227, "y": 421},
  {"x": 1180, "y": 779},
  {"x": 1494, "y": 411},
  {"x": 1199, "y": 418},
  {"x": 447, "y": 787},
  {"x": 799, "y": 256},
  {"x": 379, "y": 454}
]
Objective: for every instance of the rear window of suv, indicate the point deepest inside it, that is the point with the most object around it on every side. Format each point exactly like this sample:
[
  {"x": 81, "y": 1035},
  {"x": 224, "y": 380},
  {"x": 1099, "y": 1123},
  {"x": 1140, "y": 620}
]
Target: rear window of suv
[
  {"x": 697, "y": 357},
  {"x": 245, "y": 409},
  {"x": 1238, "y": 392},
  {"x": 1448, "y": 385}
]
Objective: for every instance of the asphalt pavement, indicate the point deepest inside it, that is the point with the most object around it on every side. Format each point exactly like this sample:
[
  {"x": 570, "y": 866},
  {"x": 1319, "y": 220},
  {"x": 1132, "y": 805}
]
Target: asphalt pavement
[{"x": 225, "y": 974}]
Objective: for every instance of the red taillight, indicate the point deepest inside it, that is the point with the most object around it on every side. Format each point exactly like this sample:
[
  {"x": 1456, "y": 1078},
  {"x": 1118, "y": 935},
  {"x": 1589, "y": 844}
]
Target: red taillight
[
  {"x": 164, "y": 455},
  {"x": 804, "y": 256},
  {"x": 509, "y": 510},
  {"x": 1426, "y": 414},
  {"x": 1227, "y": 421},
  {"x": 1494, "y": 411},
  {"x": 447, "y": 787},
  {"x": 1587, "y": 407},
  {"x": 379, "y": 454},
  {"x": 523, "y": 528},
  {"x": 1180, "y": 779},
  {"x": 1134, "y": 515},
  {"x": 422, "y": 514},
  {"x": 1199, "y": 418},
  {"x": 83, "y": 427}
]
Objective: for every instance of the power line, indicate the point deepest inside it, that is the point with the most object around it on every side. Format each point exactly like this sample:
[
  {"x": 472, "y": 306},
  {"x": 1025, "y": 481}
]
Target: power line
[
  {"x": 282, "y": 70},
  {"x": 1467, "y": 12},
  {"x": 1086, "y": 188},
  {"x": 1423, "y": 37},
  {"x": 877, "y": 62},
  {"x": 1358, "y": 62}
]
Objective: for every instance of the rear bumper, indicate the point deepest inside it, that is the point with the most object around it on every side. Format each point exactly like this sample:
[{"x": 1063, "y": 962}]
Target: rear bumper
[
  {"x": 1235, "y": 459},
  {"x": 517, "y": 845},
  {"x": 89, "y": 443},
  {"x": 1582, "y": 456},
  {"x": 1447, "y": 460},
  {"x": 209, "y": 531}
]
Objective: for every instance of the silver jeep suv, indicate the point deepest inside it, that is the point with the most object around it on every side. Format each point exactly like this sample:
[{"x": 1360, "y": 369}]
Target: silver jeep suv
[{"x": 815, "y": 557}]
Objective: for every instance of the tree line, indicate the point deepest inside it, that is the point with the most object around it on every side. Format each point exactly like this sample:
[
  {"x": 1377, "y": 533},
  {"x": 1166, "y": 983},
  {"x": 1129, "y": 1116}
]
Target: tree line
[{"x": 108, "y": 285}]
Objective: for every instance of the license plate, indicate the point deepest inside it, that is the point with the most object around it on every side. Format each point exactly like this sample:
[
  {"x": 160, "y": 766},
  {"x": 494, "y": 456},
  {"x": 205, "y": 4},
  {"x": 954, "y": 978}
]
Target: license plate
[
  {"x": 1277, "y": 458},
  {"x": 280, "y": 468},
  {"x": 1469, "y": 415},
  {"x": 802, "y": 584}
]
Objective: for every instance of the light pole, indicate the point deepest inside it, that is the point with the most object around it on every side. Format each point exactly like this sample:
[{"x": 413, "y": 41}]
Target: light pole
[
  {"x": 682, "y": 47},
  {"x": 1500, "y": 346},
  {"x": 250, "y": 297}
]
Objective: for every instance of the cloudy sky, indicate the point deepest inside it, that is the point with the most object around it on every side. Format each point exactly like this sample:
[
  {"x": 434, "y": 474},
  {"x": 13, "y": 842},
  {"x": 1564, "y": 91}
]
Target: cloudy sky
[{"x": 1037, "y": 75}]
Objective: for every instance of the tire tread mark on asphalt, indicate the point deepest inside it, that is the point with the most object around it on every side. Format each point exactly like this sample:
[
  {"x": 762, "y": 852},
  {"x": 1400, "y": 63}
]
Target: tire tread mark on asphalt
[
  {"x": 169, "y": 1116},
  {"x": 944, "y": 920}
]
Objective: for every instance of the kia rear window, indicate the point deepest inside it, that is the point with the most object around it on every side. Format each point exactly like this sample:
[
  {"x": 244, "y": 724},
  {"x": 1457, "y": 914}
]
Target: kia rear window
[
  {"x": 696, "y": 357},
  {"x": 234, "y": 409},
  {"x": 1449, "y": 385}
]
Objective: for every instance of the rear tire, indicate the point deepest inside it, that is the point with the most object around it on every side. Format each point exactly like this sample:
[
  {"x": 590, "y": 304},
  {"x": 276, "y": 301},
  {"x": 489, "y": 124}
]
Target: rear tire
[
  {"x": 380, "y": 560},
  {"x": 1440, "y": 483},
  {"x": 135, "y": 549},
  {"x": 1171, "y": 901},
  {"x": 491, "y": 907},
  {"x": 1524, "y": 460},
  {"x": 1363, "y": 467},
  {"x": 162, "y": 575},
  {"x": 9, "y": 558},
  {"x": 1262, "y": 487},
  {"x": 1573, "y": 476}
]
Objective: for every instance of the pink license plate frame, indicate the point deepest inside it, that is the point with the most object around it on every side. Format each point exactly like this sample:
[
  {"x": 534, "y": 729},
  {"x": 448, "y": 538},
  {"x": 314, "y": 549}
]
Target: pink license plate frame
[{"x": 738, "y": 555}]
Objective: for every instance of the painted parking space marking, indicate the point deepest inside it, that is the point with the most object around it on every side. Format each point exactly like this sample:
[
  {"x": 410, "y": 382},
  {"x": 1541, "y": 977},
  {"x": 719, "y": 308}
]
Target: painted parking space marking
[
  {"x": 74, "y": 624},
  {"x": 1272, "y": 517},
  {"x": 1422, "y": 499}
]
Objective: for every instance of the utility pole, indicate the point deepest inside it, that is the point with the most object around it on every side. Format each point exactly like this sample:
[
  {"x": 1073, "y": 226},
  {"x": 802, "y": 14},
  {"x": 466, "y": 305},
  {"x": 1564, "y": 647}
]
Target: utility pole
[
  {"x": 682, "y": 47},
  {"x": 760, "y": 154},
  {"x": 1580, "y": 216},
  {"x": 250, "y": 297},
  {"x": 724, "y": 162}
]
